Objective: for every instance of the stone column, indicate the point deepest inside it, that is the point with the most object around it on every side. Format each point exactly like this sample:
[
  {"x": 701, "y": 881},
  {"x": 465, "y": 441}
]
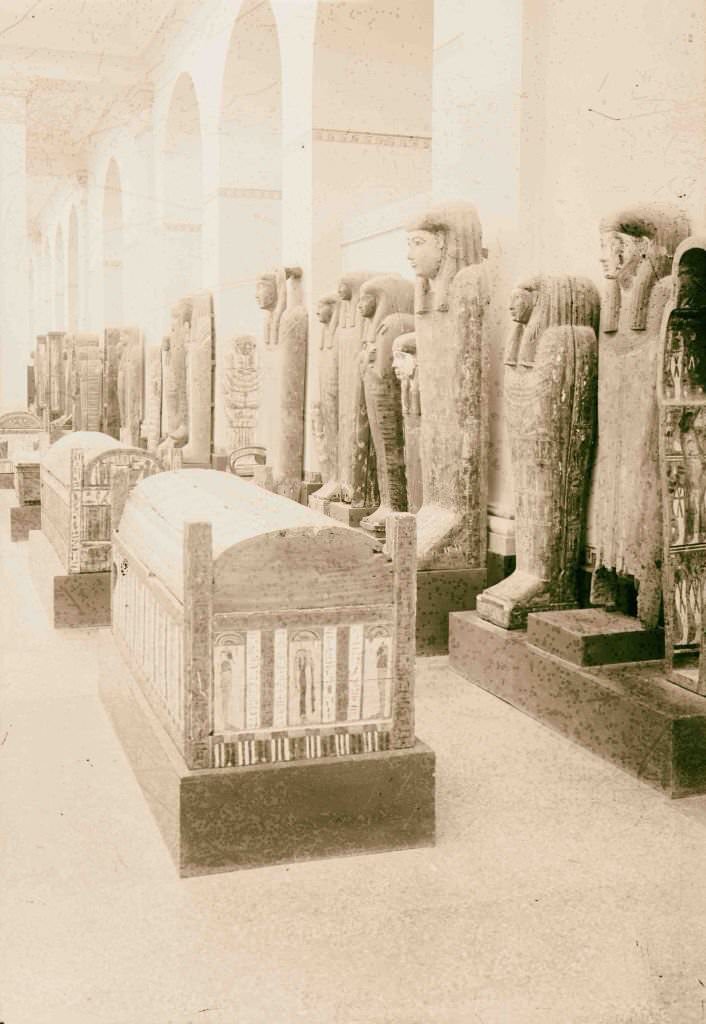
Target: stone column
[{"x": 15, "y": 342}]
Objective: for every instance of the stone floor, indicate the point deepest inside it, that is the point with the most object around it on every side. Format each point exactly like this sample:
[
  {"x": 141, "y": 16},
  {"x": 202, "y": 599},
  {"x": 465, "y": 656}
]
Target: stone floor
[{"x": 560, "y": 890}]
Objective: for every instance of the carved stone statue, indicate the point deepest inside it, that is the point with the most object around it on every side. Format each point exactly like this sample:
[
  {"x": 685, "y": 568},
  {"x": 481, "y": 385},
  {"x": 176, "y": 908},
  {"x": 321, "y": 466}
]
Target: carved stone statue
[
  {"x": 131, "y": 374},
  {"x": 682, "y": 401},
  {"x": 151, "y": 424},
  {"x": 451, "y": 296},
  {"x": 551, "y": 371},
  {"x": 241, "y": 390},
  {"x": 404, "y": 363},
  {"x": 175, "y": 418},
  {"x": 284, "y": 340},
  {"x": 111, "y": 407},
  {"x": 349, "y": 345},
  {"x": 387, "y": 306},
  {"x": 625, "y": 522},
  {"x": 42, "y": 376},
  {"x": 325, "y": 413},
  {"x": 90, "y": 386},
  {"x": 200, "y": 361}
]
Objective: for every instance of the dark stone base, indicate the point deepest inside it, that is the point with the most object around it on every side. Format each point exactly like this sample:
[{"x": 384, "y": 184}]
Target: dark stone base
[
  {"x": 24, "y": 518},
  {"x": 439, "y": 592},
  {"x": 7, "y": 481},
  {"x": 591, "y": 636},
  {"x": 628, "y": 714},
  {"x": 224, "y": 819},
  {"x": 344, "y": 513},
  {"x": 308, "y": 488},
  {"x": 219, "y": 461},
  {"x": 319, "y": 505},
  {"x": 499, "y": 566},
  {"x": 73, "y": 601}
]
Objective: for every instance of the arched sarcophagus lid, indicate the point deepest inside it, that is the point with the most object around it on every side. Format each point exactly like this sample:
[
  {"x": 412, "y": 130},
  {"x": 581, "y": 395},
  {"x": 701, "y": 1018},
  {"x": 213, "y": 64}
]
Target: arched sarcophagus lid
[
  {"x": 19, "y": 422},
  {"x": 269, "y": 553},
  {"x": 57, "y": 459}
]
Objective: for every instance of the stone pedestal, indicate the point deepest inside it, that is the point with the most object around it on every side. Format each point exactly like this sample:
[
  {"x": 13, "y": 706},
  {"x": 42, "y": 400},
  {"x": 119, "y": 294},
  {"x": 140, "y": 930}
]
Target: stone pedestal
[
  {"x": 7, "y": 476},
  {"x": 319, "y": 505},
  {"x": 627, "y": 713},
  {"x": 347, "y": 514},
  {"x": 75, "y": 600},
  {"x": 440, "y": 592},
  {"x": 229, "y": 818},
  {"x": 591, "y": 636},
  {"x": 24, "y": 518}
]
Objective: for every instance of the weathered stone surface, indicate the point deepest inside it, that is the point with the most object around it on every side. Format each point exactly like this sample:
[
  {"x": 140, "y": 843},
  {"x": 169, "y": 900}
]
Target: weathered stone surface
[
  {"x": 682, "y": 400},
  {"x": 131, "y": 373},
  {"x": 241, "y": 389},
  {"x": 283, "y": 362},
  {"x": 175, "y": 415},
  {"x": 24, "y": 518},
  {"x": 72, "y": 601},
  {"x": 451, "y": 296},
  {"x": 592, "y": 636},
  {"x": 200, "y": 362},
  {"x": 151, "y": 429},
  {"x": 386, "y": 304},
  {"x": 325, "y": 411},
  {"x": 629, "y": 715},
  {"x": 625, "y": 516},
  {"x": 405, "y": 366},
  {"x": 110, "y": 421},
  {"x": 551, "y": 366},
  {"x": 440, "y": 592},
  {"x": 27, "y": 486}
]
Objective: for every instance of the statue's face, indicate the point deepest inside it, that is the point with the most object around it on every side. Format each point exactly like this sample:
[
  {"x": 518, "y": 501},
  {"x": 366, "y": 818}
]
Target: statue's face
[
  {"x": 402, "y": 364},
  {"x": 367, "y": 304},
  {"x": 521, "y": 305},
  {"x": 344, "y": 290},
  {"x": 619, "y": 252},
  {"x": 425, "y": 250},
  {"x": 324, "y": 312},
  {"x": 265, "y": 294}
]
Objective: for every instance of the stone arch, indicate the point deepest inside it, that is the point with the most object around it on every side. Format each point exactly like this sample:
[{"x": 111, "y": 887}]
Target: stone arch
[
  {"x": 113, "y": 246},
  {"x": 59, "y": 280},
  {"x": 183, "y": 190},
  {"x": 72, "y": 272}
]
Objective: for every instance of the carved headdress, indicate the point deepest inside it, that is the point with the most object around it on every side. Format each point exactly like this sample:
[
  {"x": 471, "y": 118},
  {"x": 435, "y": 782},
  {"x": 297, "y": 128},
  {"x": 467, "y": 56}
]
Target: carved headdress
[
  {"x": 463, "y": 245},
  {"x": 557, "y": 301},
  {"x": 393, "y": 294},
  {"x": 662, "y": 226}
]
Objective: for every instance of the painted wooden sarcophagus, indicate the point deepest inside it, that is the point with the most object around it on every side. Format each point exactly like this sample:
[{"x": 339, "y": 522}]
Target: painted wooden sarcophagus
[
  {"x": 19, "y": 432},
  {"x": 258, "y": 630},
  {"x": 75, "y": 480}
]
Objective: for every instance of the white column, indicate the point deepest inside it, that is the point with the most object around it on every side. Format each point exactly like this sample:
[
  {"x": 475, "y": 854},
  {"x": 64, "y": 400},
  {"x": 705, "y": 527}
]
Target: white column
[{"x": 15, "y": 342}]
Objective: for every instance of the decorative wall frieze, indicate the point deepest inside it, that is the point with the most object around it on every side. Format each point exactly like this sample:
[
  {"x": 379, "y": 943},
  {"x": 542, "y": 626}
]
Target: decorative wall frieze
[
  {"x": 372, "y": 138},
  {"x": 185, "y": 226},
  {"x": 228, "y": 192}
]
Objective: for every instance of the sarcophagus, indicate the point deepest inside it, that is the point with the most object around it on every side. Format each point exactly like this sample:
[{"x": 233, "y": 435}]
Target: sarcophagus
[
  {"x": 19, "y": 432},
  {"x": 75, "y": 481},
  {"x": 261, "y": 631}
]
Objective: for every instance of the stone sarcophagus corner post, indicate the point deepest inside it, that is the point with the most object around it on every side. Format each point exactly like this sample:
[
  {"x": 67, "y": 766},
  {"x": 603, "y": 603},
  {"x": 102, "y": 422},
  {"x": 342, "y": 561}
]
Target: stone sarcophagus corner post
[
  {"x": 75, "y": 481},
  {"x": 260, "y": 631},
  {"x": 681, "y": 390}
]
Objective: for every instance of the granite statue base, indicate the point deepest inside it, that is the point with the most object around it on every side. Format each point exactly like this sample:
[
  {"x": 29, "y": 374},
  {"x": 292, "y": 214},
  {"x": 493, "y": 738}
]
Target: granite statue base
[
  {"x": 24, "y": 518},
  {"x": 224, "y": 819},
  {"x": 75, "y": 600},
  {"x": 348, "y": 514},
  {"x": 440, "y": 592},
  {"x": 7, "y": 481},
  {"x": 626, "y": 712}
]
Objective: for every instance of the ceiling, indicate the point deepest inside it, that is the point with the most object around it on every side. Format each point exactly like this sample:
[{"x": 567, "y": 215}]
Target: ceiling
[{"x": 81, "y": 61}]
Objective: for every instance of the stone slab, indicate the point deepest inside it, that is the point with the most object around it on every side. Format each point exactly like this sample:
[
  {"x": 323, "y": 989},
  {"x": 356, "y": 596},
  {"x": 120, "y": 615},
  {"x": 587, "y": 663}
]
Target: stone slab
[
  {"x": 7, "y": 481},
  {"x": 219, "y": 461},
  {"x": 319, "y": 505},
  {"x": 627, "y": 714},
  {"x": 72, "y": 601},
  {"x": 344, "y": 513},
  {"x": 225, "y": 819},
  {"x": 24, "y": 518},
  {"x": 440, "y": 592},
  {"x": 592, "y": 636}
]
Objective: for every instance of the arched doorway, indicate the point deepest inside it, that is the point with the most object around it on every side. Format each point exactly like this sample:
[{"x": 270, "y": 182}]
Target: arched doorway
[{"x": 183, "y": 191}]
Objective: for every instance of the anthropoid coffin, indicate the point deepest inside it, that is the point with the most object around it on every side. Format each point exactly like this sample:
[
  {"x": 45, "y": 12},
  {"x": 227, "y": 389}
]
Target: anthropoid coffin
[
  {"x": 75, "y": 482},
  {"x": 260, "y": 631},
  {"x": 19, "y": 432}
]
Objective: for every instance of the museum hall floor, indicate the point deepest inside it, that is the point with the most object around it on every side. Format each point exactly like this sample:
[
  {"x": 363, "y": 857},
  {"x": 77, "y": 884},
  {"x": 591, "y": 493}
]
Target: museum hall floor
[{"x": 560, "y": 891}]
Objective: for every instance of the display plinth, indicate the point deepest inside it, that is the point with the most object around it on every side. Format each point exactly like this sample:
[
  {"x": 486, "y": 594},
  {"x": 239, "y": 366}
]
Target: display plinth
[
  {"x": 351, "y": 515},
  {"x": 591, "y": 636},
  {"x": 319, "y": 505},
  {"x": 7, "y": 479},
  {"x": 628, "y": 714},
  {"x": 225, "y": 819},
  {"x": 440, "y": 592},
  {"x": 24, "y": 518},
  {"x": 77, "y": 600}
]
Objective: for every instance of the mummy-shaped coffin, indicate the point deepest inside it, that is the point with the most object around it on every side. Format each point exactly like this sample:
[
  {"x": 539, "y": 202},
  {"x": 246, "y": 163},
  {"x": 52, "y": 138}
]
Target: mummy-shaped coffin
[
  {"x": 75, "y": 480},
  {"x": 261, "y": 631}
]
